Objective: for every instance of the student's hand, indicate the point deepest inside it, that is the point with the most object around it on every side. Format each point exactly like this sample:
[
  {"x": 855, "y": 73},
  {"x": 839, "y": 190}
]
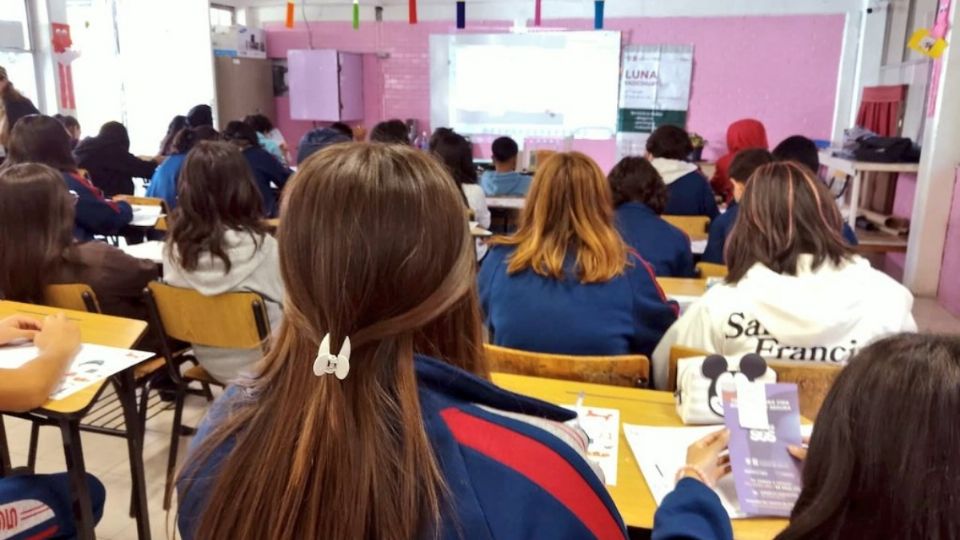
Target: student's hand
[
  {"x": 799, "y": 452},
  {"x": 18, "y": 327},
  {"x": 58, "y": 337},
  {"x": 704, "y": 456}
]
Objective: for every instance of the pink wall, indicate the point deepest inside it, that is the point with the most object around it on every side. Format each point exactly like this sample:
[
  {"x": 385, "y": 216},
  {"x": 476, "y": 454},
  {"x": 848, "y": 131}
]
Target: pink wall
[
  {"x": 949, "y": 293},
  {"x": 782, "y": 70}
]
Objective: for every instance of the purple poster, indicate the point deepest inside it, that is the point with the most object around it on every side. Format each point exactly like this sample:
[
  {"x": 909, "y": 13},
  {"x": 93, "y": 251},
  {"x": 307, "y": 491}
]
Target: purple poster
[{"x": 766, "y": 475}]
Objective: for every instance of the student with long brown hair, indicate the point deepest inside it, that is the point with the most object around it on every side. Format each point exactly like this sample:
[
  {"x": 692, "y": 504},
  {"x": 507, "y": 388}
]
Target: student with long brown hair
[
  {"x": 796, "y": 290},
  {"x": 566, "y": 282},
  {"x": 218, "y": 243},
  {"x": 348, "y": 432}
]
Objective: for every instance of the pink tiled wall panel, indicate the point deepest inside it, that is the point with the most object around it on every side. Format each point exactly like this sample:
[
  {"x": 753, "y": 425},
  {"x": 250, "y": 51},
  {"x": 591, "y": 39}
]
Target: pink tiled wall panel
[{"x": 949, "y": 294}]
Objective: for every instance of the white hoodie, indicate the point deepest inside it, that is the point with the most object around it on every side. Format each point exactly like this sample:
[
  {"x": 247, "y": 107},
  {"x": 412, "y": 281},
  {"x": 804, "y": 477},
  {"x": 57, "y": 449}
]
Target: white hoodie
[
  {"x": 251, "y": 270},
  {"x": 820, "y": 316},
  {"x": 672, "y": 170}
]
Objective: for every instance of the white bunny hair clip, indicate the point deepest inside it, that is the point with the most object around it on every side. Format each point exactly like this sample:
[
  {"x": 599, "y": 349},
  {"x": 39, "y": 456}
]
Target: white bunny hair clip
[{"x": 338, "y": 364}]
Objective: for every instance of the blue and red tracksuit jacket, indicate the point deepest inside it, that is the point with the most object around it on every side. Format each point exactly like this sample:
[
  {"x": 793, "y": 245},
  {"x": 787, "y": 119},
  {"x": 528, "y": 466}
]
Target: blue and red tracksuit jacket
[
  {"x": 38, "y": 506},
  {"x": 507, "y": 479},
  {"x": 94, "y": 214}
]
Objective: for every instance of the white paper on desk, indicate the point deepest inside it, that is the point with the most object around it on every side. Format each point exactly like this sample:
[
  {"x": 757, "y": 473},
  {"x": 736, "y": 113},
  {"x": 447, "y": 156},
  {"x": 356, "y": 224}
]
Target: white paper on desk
[
  {"x": 661, "y": 451},
  {"x": 92, "y": 363},
  {"x": 145, "y": 215},
  {"x": 151, "y": 250},
  {"x": 603, "y": 428},
  {"x": 698, "y": 246}
]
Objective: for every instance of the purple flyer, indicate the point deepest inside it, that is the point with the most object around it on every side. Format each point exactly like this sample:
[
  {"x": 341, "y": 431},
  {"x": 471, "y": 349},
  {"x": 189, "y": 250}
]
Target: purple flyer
[{"x": 767, "y": 477}]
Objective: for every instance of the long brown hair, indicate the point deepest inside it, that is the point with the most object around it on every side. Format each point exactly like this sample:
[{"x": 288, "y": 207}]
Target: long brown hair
[
  {"x": 373, "y": 245},
  {"x": 216, "y": 193},
  {"x": 36, "y": 221},
  {"x": 569, "y": 210},
  {"x": 785, "y": 212},
  {"x": 884, "y": 460},
  {"x": 41, "y": 139}
]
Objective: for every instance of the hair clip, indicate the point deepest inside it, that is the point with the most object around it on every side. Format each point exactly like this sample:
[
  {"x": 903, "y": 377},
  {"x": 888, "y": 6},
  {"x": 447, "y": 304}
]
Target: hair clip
[{"x": 338, "y": 364}]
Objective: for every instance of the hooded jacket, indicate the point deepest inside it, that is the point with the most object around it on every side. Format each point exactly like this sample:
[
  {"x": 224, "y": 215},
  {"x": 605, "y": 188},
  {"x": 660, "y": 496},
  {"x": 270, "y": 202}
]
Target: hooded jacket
[
  {"x": 253, "y": 269},
  {"x": 317, "y": 139},
  {"x": 108, "y": 159},
  {"x": 689, "y": 192},
  {"x": 741, "y": 135},
  {"x": 824, "y": 315}
]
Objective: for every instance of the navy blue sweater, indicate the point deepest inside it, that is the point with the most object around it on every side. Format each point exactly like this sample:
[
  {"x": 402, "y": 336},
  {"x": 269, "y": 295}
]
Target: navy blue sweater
[
  {"x": 266, "y": 171},
  {"x": 664, "y": 246},
  {"x": 527, "y": 311},
  {"x": 691, "y": 195},
  {"x": 39, "y": 506},
  {"x": 692, "y": 511},
  {"x": 94, "y": 214}
]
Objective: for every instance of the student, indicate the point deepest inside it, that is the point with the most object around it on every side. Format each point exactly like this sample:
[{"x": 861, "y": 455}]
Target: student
[
  {"x": 108, "y": 161},
  {"x": 41, "y": 139},
  {"x": 200, "y": 115},
  {"x": 163, "y": 185},
  {"x": 882, "y": 463},
  {"x": 741, "y": 168},
  {"x": 802, "y": 150},
  {"x": 166, "y": 145},
  {"x": 70, "y": 124},
  {"x": 218, "y": 244},
  {"x": 456, "y": 154},
  {"x": 263, "y": 126},
  {"x": 640, "y": 196},
  {"x": 391, "y": 132},
  {"x": 796, "y": 291},
  {"x": 36, "y": 221},
  {"x": 689, "y": 193},
  {"x": 343, "y": 129},
  {"x": 741, "y": 135},
  {"x": 41, "y": 503},
  {"x": 317, "y": 139},
  {"x": 566, "y": 282},
  {"x": 404, "y": 427},
  {"x": 13, "y": 107},
  {"x": 267, "y": 171},
  {"x": 505, "y": 180}
]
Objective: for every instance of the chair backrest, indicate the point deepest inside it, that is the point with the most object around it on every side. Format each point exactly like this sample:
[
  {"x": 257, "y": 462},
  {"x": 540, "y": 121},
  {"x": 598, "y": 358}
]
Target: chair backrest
[
  {"x": 74, "y": 296},
  {"x": 695, "y": 227},
  {"x": 145, "y": 201},
  {"x": 161, "y": 224},
  {"x": 813, "y": 382},
  {"x": 677, "y": 353},
  {"x": 231, "y": 320},
  {"x": 627, "y": 370},
  {"x": 709, "y": 270}
]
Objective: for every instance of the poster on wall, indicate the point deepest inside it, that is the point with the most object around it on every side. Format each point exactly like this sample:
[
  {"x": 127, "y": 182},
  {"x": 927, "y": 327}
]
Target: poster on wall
[{"x": 654, "y": 91}]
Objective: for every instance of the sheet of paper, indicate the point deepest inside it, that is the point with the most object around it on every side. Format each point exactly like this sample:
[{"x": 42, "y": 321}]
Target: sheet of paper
[
  {"x": 661, "y": 451},
  {"x": 603, "y": 428},
  {"x": 698, "y": 246},
  {"x": 145, "y": 215},
  {"x": 92, "y": 363},
  {"x": 151, "y": 250},
  {"x": 684, "y": 301}
]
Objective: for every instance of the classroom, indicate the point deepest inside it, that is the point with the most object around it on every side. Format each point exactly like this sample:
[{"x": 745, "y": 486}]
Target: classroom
[{"x": 492, "y": 269}]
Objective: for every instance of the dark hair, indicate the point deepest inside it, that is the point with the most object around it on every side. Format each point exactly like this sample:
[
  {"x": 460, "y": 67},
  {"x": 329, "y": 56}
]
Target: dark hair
[
  {"x": 343, "y": 129},
  {"x": 189, "y": 137},
  {"x": 670, "y": 142},
  {"x": 67, "y": 121},
  {"x": 884, "y": 458},
  {"x": 216, "y": 193},
  {"x": 240, "y": 134},
  {"x": 390, "y": 132},
  {"x": 636, "y": 179},
  {"x": 40, "y": 139},
  {"x": 259, "y": 122},
  {"x": 799, "y": 149},
  {"x": 456, "y": 154},
  {"x": 176, "y": 125},
  {"x": 116, "y": 134},
  {"x": 746, "y": 162},
  {"x": 200, "y": 115},
  {"x": 36, "y": 221},
  {"x": 785, "y": 213},
  {"x": 504, "y": 149},
  {"x": 437, "y": 135}
]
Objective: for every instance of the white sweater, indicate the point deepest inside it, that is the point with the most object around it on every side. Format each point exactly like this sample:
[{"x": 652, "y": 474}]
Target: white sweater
[{"x": 816, "y": 316}]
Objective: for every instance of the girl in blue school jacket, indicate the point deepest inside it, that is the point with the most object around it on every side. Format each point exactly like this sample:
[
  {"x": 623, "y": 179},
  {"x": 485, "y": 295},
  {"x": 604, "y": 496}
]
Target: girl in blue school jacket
[{"x": 689, "y": 191}]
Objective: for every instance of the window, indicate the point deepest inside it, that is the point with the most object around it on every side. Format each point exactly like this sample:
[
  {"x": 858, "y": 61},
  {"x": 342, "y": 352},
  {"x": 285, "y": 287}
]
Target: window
[
  {"x": 15, "y": 51},
  {"x": 221, "y": 15}
]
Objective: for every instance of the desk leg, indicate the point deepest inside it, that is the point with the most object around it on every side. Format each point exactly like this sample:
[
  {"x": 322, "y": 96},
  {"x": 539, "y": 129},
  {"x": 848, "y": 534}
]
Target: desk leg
[
  {"x": 4, "y": 451},
  {"x": 855, "y": 200},
  {"x": 127, "y": 394},
  {"x": 82, "y": 506}
]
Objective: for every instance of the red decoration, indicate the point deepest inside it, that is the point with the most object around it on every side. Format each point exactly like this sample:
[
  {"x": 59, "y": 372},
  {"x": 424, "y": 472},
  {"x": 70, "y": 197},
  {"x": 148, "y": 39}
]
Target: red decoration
[
  {"x": 413, "y": 11},
  {"x": 536, "y": 13}
]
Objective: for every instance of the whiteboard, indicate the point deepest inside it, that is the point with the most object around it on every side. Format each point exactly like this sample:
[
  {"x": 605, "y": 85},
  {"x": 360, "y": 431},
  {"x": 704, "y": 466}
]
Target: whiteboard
[{"x": 555, "y": 84}]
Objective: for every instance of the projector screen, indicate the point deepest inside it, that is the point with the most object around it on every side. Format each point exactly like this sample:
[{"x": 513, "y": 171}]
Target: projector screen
[{"x": 558, "y": 84}]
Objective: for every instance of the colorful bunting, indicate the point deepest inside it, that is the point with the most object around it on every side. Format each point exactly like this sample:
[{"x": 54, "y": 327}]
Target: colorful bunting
[
  {"x": 536, "y": 13},
  {"x": 598, "y": 14},
  {"x": 289, "y": 23},
  {"x": 461, "y": 14},
  {"x": 413, "y": 11},
  {"x": 356, "y": 14}
]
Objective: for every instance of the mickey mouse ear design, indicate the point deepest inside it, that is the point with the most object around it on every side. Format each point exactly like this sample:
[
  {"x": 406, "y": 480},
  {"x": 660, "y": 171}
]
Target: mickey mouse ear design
[
  {"x": 337, "y": 364},
  {"x": 753, "y": 366},
  {"x": 713, "y": 366}
]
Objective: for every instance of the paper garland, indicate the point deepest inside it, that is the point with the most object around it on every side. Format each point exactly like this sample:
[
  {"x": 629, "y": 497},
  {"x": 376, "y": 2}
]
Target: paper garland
[
  {"x": 598, "y": 14},
  {"x": 356, "y": 14},
  {"x": 461, "y": 14},
  {"x": 537, "y": 13},
  {"x": 413, "y": 11},
  {"x": 289, "y": 22}
]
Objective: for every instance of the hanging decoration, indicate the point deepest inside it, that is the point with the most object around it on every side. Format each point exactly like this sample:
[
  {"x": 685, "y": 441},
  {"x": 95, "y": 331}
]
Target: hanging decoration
[
  {"x": 536, "y": 13},
  {"x": 413, "y": 11},
  {"x": 356, "y": 14},
  {"x": 290, "y": 8},
  {"x": 598, "y": 14},
  {"x": 461, "y": 14}
]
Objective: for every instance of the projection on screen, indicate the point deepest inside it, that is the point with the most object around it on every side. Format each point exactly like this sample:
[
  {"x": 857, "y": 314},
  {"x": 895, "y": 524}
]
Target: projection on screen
[{"x": 550, "y": 85}]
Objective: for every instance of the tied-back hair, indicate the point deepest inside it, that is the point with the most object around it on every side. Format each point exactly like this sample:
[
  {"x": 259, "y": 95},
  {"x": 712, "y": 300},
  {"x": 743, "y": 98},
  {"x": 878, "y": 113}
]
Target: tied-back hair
[
  {"x": 785, "y": 212},
  {"x": 373, "y": 246},
  {"x": 636, "y": 179},
  {"x": 187, "y": 138},
  {"x": 241, "y": 135},
  {"x": 884, "y": 459},
  {"x": 36, "y": 221},
  {"x": 569, "y": 212},
  {"x": 216, "y": 193},
  {"x": 40, "y": 139},
  {"x": 177, "y": 125}
]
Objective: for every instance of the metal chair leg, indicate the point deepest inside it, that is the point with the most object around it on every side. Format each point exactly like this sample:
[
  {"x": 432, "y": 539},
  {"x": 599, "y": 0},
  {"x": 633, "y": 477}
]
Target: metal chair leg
[
  {"x": 4, "y": 451},
  {"x": 32, "y": 452},
  {"x": 174, "y": 444},
  {"x": 80, "y": 491},
  {"x": 127, "y": 393},
  {"x": 206, "y": 391}
]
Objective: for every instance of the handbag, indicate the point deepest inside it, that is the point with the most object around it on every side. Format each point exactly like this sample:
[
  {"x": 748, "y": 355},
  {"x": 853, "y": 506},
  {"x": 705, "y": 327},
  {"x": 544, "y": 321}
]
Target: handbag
[
  {"x": 886, "y": 150},
  {"x": 701, "y": 381}
]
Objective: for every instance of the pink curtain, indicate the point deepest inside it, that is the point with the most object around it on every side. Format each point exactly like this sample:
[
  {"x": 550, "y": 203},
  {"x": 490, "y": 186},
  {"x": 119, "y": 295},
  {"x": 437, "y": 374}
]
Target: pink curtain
[{"x": 880, "y": 109}]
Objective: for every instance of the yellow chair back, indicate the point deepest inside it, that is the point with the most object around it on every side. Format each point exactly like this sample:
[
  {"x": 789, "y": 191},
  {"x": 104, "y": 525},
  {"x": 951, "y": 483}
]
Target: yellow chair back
[
  {"x": 627, "y": 370},
  {"x": 73, "y": 296},
  {"x": 696, "y": 227},
  {"x": 709, "y": 270}
]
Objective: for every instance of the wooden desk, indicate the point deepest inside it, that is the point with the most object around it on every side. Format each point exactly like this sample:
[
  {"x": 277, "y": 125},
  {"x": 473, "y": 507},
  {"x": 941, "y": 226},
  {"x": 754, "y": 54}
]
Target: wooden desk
[
  {"x": 856, "y": 169},
  {"x": 644, "y": 407},
  {"x": 682, "y": 286}
]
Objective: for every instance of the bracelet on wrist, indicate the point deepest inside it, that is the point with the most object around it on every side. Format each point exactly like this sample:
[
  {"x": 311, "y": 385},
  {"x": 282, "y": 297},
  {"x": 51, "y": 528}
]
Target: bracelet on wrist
[{"x": 696, "y": 471}]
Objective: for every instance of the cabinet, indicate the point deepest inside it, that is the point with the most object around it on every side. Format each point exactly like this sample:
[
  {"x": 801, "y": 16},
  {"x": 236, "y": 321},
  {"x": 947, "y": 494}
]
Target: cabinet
[
  {"x": 325, "y": 85},
  {"x": 244, "y": 86}
]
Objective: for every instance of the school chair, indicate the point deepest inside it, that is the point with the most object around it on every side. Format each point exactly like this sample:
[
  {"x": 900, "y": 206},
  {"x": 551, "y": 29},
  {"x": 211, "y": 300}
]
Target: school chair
[
  {"x": 628, "y": 370},
  {"x": 696, "y": 227},
  {"x": 709, "y": 270},
  {"x": 75, "y": 296},
  {"x": 230, "y": 320},
  {"x": 677, "y": 353}
]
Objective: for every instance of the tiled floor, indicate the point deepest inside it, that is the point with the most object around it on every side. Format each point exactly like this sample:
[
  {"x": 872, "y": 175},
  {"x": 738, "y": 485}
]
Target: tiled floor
[{"x": 106, "y": 457}]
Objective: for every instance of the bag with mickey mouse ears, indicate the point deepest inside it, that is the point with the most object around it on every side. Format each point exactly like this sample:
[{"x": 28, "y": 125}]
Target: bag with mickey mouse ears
[{"x": 702, "y": 380}]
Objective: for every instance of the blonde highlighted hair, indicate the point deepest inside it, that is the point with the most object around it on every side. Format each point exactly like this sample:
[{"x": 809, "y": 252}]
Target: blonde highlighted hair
[{"x": 569, "y": 211}]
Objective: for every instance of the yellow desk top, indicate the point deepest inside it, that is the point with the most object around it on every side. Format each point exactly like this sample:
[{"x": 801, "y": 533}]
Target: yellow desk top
[
  {"x": 94, "y": 328},
  {"x": 644, "y": 407},
  {"x": 682, "y": 286}
]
